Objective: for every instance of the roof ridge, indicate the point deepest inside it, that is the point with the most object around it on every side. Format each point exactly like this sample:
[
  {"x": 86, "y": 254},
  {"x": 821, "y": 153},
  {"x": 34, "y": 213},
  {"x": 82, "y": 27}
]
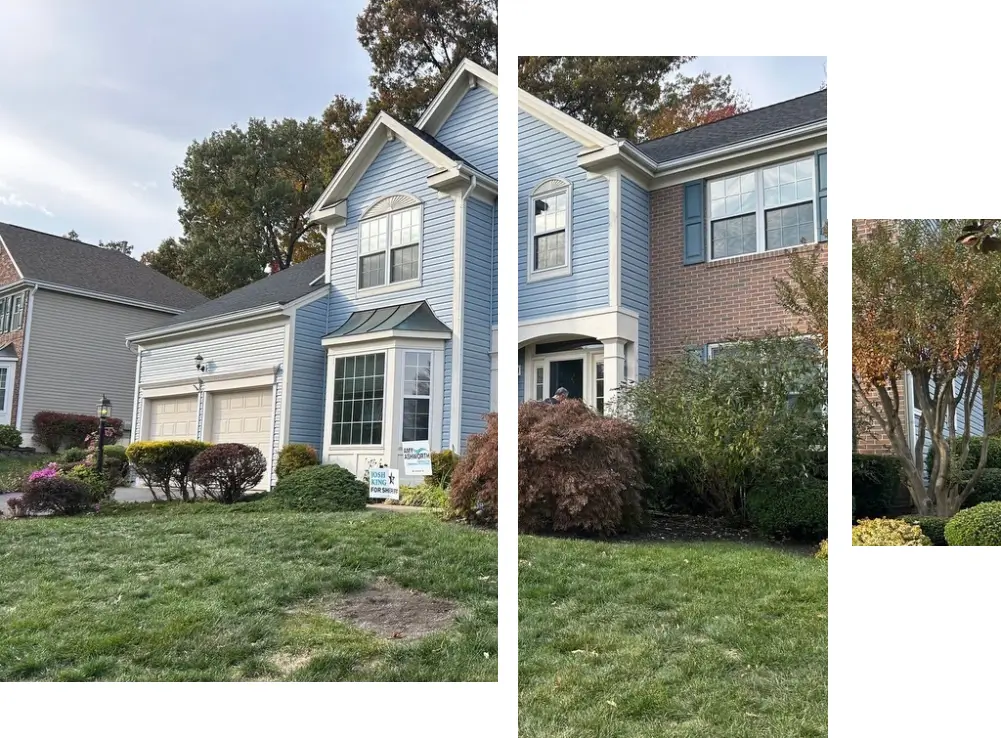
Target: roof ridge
[
  {"x": 68, "y": 240},
  {"x": 731, "y": 117}
]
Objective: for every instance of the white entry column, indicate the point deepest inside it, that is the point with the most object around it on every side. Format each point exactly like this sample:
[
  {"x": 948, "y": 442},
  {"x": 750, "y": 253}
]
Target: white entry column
[{"x": 615, "y": 365}]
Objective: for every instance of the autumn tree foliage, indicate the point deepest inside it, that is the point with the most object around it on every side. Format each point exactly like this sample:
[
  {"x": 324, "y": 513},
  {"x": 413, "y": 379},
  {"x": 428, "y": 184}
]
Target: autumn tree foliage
[
  {"x": 689, "y": 101},
  {"x": 473, "y": 492},
  {"x": 926, "y": 322}
]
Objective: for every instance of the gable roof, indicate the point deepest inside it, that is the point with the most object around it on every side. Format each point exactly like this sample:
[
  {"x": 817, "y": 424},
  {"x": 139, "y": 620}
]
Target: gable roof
[
  {"x": 442, "y": 148},
  {"x": 757, "y": 123},
  {"x": 62, "y": 262},
  {"x": 278, "y": 289},
  {"x": 451, "y": 93}
]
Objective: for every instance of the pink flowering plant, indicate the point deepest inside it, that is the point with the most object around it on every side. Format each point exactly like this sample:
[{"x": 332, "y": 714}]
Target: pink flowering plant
[{"x": 46, "y": 472}]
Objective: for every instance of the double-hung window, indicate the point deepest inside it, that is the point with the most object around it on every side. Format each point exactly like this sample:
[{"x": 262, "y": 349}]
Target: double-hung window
[
  {"x": 359, "y": 391},
  {"x": 416, "y": 395},
  {"x": 549, "y": 251},
  {"x": 774, "y": 207},
  {"x": 17, "y": 312},
  {"x": 389, "y": 248}
]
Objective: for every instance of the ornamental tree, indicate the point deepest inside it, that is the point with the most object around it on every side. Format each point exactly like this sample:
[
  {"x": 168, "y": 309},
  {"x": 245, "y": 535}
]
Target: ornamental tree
[{"x": 926, "y": 321}]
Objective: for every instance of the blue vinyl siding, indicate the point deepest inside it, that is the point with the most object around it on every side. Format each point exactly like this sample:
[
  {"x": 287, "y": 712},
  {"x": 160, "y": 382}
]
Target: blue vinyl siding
[
  {"x": 544, "y": 152},
  {"x": 471, "y": 130},
  {"x": 480, "y": 297},
  {"x": 635, "y": 237},
  {"x": 976, "y": 414},
  {"x": 307, "y": 391},
  {"x": 398, "y": 169}
]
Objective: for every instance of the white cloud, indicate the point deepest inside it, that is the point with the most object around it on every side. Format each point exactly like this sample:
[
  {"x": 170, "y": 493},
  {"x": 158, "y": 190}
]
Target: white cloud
[{"x": 13, "y": 200}]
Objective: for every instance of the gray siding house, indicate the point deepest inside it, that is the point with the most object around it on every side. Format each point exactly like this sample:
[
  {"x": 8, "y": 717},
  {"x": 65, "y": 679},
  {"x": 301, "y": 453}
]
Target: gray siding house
[{"x": 65, "y": 310}]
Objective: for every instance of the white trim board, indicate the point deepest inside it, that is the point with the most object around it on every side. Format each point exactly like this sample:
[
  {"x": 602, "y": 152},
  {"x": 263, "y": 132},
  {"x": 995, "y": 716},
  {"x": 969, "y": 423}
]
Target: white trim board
[{"x": 467, "y": 75}]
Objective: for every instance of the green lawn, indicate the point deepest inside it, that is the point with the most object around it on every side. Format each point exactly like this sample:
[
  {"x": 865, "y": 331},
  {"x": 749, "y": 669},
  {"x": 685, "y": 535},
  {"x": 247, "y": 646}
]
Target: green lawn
[
  {"x": 205, "y": 592},
  {"x": 698, "y": 640},
  {"x": 15, "y": 467}
]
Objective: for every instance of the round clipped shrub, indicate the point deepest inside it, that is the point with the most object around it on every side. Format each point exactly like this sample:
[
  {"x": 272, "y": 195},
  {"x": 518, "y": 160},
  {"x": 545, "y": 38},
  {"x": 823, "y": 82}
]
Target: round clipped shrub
[
  {"x": 327, "y": 488},
  {"x": 227, "y": 471},
  {"x": 473, "y": 492},
  {"x": 987, "y": 489},
  {"x": 822, "y": 551},
  {"x": 795, "y": 509},
  {"x": 931, "y": 526},
  {"x": 10, "y": 437},
  {"x": 442, "y": 468},
  {"x": 976, "y": 526},
  {"x": 165, "y": 465},
  {"x": 73, "y": 455},
  {"x": 295, "y": 456},
  {"x": 888, "y": 532},
  {"x": 59, "y": 495},
  {"x": 101, "y": 485},
  {"x": 578, "y": 471}
]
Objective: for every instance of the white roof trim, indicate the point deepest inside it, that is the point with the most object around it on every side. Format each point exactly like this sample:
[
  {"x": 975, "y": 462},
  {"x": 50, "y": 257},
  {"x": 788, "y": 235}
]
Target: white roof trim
[
  {"x": 11, "y": 257},
  {"x": 580, "y": 132},
  {"x": 467, "y": 74},
  {"x": 384, "y": 335},
  {"x": 166, "y": 332},
  {"x": 364, "y": 153}
]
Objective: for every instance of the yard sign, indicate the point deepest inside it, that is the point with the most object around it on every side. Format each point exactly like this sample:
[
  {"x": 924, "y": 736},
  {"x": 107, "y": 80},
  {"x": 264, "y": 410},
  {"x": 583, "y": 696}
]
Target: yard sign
[
  {"x": 384, "y": 484},
  {"x": 417, "y": 458}
]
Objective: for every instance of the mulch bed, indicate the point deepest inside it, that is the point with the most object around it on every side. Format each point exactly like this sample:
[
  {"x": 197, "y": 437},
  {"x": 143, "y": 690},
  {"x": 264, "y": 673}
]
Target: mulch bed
[{"x": 673, "y": 527}]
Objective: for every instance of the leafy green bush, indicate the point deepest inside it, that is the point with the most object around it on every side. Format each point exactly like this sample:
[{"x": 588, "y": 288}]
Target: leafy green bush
[
  {"x": 226, "y": 471},
  {"x": 442, "y": 467},
  {"x": 578, "y": 471},
  {"x": 327, "y": 488},
  {"x": 987, "y": 489},
  {"x": 822, "y": 551},
  {"x": 101, "y": 484},
  {"x": 57, "y": 430},
  {"x": 888, "y": 532},
  {"x": 712, "y": 429},
  {"x": 425, "y": 495},
  {"x": 10, "y": 437},
  {"x": 794, "y": 509},
  {"x": 931, "y": 526},
  {"x": 973, "y": 455},
  {"x": 165, "y": 465},
  {"x": 295, "y": 456},
  {"x": 473, "y": 492},
  {"x": 59, "y": 495},
  {"x": 73, "y": 455},
  {"x": 976, "y": 526},
  {"x": 875, "y": 483}
]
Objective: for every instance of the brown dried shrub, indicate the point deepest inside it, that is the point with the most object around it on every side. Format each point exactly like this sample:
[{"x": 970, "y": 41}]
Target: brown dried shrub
[
  {"x": 578, "y": 471},
  {"x": 473, "y": 494}
]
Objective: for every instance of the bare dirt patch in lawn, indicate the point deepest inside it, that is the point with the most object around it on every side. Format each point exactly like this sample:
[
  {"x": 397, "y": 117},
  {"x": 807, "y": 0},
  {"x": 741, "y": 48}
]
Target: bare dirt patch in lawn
[
  {"x": 286, "y": 662},
  {"x": 391, "y": 611}
]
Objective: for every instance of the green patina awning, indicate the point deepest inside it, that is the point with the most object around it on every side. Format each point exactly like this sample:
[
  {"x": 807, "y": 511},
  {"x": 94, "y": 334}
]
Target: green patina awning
[{"x": 411, "y": 316}]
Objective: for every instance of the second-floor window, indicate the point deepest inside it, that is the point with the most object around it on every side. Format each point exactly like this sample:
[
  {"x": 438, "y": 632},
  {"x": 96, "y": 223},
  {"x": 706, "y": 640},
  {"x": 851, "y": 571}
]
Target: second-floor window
[
  {"x": 774, "y": 207},
  {"x": 389, "y": 248},
  {"x": 11, "y": 313},
  {"x": 549, "y": 250}
]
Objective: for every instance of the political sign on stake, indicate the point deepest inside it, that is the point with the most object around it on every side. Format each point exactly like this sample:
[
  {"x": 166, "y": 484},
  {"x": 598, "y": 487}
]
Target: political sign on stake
[
  {"x": 384, "y": 484},
  {"x": 417, "y": 458}
]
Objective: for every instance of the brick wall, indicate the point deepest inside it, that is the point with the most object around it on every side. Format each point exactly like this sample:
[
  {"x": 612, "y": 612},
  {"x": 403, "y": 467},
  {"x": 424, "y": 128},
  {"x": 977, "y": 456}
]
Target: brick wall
[
  {"x": 704, "y": 303},
  {"x": 9, "y": 275}
]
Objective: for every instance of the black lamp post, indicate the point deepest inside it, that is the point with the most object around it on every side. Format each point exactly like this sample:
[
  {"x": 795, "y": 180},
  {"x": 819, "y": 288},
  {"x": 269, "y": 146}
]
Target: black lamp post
[{"x": 103, "y": 413}]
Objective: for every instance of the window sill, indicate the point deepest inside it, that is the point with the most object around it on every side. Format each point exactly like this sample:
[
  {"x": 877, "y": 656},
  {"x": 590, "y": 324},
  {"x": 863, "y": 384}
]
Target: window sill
[
  {"x": 389, "y": 288},
  {"x": 549, "y": 274},
  {"x": 758, "y": 255}
]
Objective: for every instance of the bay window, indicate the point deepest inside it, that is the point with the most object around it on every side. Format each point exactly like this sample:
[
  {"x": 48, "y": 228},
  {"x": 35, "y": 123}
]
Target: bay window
[
  {"x": 416, "y": 395},
  {"x": 359, "y": 391}
]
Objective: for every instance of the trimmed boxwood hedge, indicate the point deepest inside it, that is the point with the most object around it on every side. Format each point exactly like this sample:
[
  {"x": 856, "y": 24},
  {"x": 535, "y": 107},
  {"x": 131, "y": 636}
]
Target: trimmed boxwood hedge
[
  {"x": 875, "y": 483},
  {"x": 328, "y": 488},
  {"x": 976, "y": 526},
  {"x": 931, "y": 526},
  {"x": 988, "y": 488},
  {"x": 796, "y": 510},
  {"x": 973, "y": 456}
]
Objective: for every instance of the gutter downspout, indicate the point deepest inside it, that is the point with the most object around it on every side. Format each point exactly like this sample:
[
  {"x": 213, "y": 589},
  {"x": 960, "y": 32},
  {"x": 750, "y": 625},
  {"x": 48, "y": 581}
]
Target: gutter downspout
[
  {"x": 458, "y": 306},
  {"x": 22, "y": 372}
]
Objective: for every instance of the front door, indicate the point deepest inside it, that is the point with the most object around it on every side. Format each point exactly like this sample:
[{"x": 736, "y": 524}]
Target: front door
[{"x": 568, "y": 374}]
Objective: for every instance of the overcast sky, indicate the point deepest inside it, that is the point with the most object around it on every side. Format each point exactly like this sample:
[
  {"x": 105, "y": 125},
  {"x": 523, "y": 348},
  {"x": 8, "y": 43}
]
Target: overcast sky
[{"x": 100, "y": 100}]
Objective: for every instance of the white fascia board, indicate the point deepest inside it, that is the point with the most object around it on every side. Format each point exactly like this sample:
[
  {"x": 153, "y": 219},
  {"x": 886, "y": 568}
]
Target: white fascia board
[
  {"x": 227, "y": 320},
  {"x": 452, "y": 181},
  {"x": 11, "y": 257},
  {"x": 580, "y": 132},
  {"x": 465, "y": 76},
  {"x": 383, "y": 128},
  {"x": 386, "y": 335},
  {"x": 291, "y": 307}
]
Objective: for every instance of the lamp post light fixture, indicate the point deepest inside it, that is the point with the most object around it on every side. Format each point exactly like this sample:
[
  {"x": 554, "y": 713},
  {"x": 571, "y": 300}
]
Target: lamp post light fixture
[{"x": 103, "y": 413}]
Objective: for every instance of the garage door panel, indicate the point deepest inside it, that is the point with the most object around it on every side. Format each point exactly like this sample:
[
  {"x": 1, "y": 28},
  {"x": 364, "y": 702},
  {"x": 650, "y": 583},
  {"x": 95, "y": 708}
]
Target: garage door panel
[
  {"x": 173, "y": 418},
  {"x": 243, "y": 417}
]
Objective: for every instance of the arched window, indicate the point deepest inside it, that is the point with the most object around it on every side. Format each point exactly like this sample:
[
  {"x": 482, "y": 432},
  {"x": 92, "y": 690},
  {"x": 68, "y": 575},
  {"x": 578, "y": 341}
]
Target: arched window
[
  {"x": 389, "y": 242},
  {"x": 549, "y": 230}
]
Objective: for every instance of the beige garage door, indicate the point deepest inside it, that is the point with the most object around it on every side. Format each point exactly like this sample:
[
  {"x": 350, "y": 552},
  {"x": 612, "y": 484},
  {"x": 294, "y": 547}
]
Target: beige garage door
[
  {"x": 243, "y": 417},
  {"x": 173, "y": 418}
]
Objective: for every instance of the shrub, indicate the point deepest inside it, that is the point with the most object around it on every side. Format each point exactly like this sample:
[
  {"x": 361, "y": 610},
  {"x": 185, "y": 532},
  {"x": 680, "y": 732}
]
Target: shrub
[
  {"x": 794, "y": 509},
  {"x": 442, "y": 468},
  {"x": 295, "y": 456},
  {"x": 976, "y": 526},
  {"x": 100, "y": 485},
  {"x": 711, "y": 429},
  {"x": 473, "y": 492},
  {"x": 973, "y": 455},
  {"x": 165, "y": 465},
  {"x": 59, "y": 495},
  {"x": 56, "y": 430},
  {"x": 578, "y": 471},
  {"x": 822, "y": 551},
  {"x": 931, "y": 526},
  {"x": 887, "y": 532},
  {"x": 988, "y": 488},
  {"x": 10, "y": 437},
  {"x": 875, "y": 483},
  {"x": 425, "y": 495},
  {"x": 73, "y": 455},
  {"x": 327, "y": 488},
  {"x": 226, "y": 471}
]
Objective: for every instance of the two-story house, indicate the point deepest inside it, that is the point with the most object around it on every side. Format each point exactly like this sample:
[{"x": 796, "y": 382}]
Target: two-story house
[
  {"x": 387, "y": 337},
  {"x": 631, "y": 252},
  {"x": 65, "y": 309}
]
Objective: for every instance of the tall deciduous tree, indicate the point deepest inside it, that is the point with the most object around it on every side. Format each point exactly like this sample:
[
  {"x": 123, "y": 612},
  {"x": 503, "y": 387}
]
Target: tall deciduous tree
[
  {"x": 168, "y": 259},
  {"x": 688, "y": 102},
  {"x": 928, "y": 308},
  {"x": 124, "y": 246}
]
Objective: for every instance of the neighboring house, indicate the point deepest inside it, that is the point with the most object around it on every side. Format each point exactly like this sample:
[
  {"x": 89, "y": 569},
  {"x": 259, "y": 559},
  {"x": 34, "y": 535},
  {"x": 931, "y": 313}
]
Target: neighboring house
[
  {"x": 65, "y": 309},
  {"x": 389, "y": 336},
  {"x": 629, "y": 253}
]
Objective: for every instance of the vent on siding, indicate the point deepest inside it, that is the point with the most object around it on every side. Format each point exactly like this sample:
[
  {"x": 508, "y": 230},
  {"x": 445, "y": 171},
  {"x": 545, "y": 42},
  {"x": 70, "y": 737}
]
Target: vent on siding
[{"x": 390, "y": 203}]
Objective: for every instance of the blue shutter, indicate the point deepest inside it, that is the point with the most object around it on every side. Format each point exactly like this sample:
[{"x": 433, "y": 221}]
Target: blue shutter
[
  {"x": 821, "y": 157},
  {"x": 699, "y": 353},
  {"x": 695, "y": 251}
]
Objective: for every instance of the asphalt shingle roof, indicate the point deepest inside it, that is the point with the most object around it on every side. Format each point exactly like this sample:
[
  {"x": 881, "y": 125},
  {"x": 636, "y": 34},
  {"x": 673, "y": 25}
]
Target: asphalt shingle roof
[
  {"x": 277, "y": 289},
  {"x": 753, "y": 124},
  {"x": 46, "y": 258}
]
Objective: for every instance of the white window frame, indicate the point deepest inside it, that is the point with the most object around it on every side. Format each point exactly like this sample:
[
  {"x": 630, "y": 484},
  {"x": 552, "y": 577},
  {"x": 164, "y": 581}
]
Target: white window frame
[
  {"x": 548, "y": 187},
  {"x": 761, "y": 234},
  {"x": 386, "y": 209},
  {"x": 17, "y": 312},
  {"x": 7, "y": 390},
  {"x": 333, "y": 396},
  {"x": 591, "y": 357},
  {"x": 429, "y": 397}
]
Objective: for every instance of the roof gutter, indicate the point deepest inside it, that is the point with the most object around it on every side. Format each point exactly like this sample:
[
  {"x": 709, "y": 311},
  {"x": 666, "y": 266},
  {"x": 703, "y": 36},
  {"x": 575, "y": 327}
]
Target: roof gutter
[{"x": 179, "y": 329}]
